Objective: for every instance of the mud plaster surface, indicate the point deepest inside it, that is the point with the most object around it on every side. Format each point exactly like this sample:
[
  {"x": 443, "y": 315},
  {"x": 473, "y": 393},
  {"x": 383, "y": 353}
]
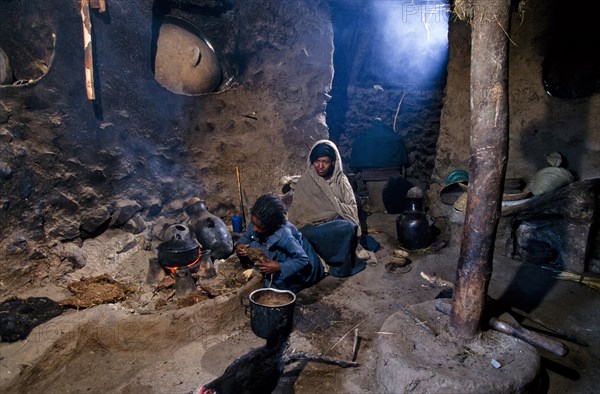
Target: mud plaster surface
[
  {"x": 422, "y": 357},
  {"x": 113, "y": 348}
]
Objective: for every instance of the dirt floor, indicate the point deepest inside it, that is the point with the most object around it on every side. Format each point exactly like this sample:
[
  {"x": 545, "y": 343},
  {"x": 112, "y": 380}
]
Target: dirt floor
[{"x": 122, "y": 348}]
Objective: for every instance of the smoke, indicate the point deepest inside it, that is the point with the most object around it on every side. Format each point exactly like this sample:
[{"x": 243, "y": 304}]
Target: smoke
[{"x": 414, "y": 38}]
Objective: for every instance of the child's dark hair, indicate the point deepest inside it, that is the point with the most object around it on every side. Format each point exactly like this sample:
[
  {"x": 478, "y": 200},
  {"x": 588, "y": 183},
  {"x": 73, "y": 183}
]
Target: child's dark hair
[{"x": 270, "y": 210}]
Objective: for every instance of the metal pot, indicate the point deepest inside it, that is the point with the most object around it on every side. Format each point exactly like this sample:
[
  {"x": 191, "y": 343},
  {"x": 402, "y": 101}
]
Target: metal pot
[{"x": 271, "y": 311}]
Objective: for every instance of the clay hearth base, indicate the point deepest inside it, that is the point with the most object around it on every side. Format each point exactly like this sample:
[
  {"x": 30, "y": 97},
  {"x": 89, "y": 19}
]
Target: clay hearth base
[
  {"x": 412, "y": 359},
  {"x": 108, "y": 346}
]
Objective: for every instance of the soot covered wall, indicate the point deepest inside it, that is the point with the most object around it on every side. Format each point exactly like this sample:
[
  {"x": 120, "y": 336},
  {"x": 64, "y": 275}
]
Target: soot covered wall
[{"x": 71, "y": 167}]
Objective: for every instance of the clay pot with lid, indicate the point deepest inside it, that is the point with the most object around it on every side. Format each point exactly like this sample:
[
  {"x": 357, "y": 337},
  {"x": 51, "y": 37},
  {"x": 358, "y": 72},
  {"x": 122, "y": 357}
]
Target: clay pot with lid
[
  {"x": 180, "y": 250},
  {"x": 176, "y": 253},
  {"x": 414, "y": 227}
]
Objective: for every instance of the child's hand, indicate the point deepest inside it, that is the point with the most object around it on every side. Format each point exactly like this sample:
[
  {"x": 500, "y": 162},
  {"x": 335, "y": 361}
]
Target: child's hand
[
  {"x": 241, "y": 250},
  {"x": 267, "y": 266}
]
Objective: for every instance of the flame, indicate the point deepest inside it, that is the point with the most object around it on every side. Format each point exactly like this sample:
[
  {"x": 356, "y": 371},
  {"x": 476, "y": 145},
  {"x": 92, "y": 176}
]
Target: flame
[{"x": 173, "y": 269}]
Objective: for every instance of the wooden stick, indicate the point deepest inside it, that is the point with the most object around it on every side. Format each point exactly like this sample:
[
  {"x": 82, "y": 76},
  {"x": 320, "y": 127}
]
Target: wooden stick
[
  {"x": 533, "y": 338},
  {"x": 556, "y": 331},
  {"x": 436, "y": 280},
  {"x": 87, "y": 47},
  {"x": 99, "y": 5},
  {"x": 561, "y": 334},
  {"x": 246, "y": 203},
  {"x": 171, "y": 295},
  {"x": 514, "y": 329},
  {"x": 355, "y": 347},
  {"x": 398, "y": 110},
  {"x": 344, "y": 336},
  {"x": 239, "y": 185},
  {"x": 296, "y": 356},
  {"x": 420, "y": 323}
]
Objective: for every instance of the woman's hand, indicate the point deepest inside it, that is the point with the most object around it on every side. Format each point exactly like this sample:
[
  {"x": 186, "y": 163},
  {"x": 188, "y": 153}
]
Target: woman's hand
[{"x": 267, "y": 266}]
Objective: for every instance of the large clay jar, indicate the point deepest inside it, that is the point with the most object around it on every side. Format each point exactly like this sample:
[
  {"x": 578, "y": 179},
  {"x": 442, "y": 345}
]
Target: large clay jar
[
  {"x": 414, "y": 227},
  {"x": 210, "y": 230}
]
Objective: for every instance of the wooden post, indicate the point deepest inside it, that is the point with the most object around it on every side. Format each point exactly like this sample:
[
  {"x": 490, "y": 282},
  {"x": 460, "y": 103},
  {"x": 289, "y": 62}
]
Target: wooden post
[
  {"x": 99, "y": 5},
  {"x": 489, "y": 150},
  {"x": 87, "y": 47}
]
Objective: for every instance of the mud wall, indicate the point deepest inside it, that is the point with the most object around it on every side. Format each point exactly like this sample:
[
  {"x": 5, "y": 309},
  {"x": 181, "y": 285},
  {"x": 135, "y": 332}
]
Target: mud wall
[
  {"x": 540, "y": 122},
  {"x": 72, "y": 167}
]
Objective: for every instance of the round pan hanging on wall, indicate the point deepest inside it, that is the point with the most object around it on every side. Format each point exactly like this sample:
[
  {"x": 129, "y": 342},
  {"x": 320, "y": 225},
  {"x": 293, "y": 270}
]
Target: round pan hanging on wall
[{"x": 185, "y": 62}]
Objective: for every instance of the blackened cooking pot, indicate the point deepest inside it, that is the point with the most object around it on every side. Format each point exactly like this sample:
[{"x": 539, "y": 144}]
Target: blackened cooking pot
[
  {"x": 415, "y": 227},
  {"x": 271, "y": 311},
  {"x": 178, "y": 252}
]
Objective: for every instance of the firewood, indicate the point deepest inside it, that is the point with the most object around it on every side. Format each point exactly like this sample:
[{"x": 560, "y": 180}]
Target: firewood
[{"x": 297, "y": 356}]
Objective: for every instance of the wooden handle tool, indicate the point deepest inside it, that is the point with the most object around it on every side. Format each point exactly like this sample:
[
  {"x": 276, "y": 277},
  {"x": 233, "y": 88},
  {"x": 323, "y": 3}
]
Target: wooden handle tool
[{"x": 531, "y": 337}]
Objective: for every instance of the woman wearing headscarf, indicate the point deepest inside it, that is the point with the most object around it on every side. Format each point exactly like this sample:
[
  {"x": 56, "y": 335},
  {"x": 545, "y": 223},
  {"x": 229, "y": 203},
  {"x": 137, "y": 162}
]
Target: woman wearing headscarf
[
  {"x": 324, "y": 209},
  {"x": 287, "y": 261}
]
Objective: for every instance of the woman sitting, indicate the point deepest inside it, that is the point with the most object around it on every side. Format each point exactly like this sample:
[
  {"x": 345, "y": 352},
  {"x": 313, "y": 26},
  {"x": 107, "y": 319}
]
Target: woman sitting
[
  {"x": 287, "y": 261},
  {"x": 324, "y": 209}
]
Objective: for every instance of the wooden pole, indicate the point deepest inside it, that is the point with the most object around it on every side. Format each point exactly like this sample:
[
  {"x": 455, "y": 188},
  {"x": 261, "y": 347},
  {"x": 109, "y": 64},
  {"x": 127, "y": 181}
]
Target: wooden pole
[
  {"x": 487, "y": 167},
  {"x": 239, "y": 184},
  {"x": 87, "y": 47},
  {"x": 99, "y": 5}
]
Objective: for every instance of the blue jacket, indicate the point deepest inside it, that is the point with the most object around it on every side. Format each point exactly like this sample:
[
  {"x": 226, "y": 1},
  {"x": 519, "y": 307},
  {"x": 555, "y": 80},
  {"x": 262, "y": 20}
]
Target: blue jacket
[{"x": 300, "y": 266}]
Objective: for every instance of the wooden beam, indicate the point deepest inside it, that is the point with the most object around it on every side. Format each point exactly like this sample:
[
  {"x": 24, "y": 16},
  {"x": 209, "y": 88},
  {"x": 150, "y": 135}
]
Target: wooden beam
[
  {"x": 487, "y": 167},
  {"x": 87, "y": 47},
  {"x": 99, "y": 5}
]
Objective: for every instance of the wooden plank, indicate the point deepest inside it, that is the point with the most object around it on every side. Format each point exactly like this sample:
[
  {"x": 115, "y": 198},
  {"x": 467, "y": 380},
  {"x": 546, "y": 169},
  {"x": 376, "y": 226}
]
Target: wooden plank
[{"x": 87, "y": 47}]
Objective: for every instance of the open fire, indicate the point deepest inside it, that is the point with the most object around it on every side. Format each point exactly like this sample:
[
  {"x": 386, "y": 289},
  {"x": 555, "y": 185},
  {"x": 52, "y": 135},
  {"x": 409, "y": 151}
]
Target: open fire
[{"x": 193, "y": 266}]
